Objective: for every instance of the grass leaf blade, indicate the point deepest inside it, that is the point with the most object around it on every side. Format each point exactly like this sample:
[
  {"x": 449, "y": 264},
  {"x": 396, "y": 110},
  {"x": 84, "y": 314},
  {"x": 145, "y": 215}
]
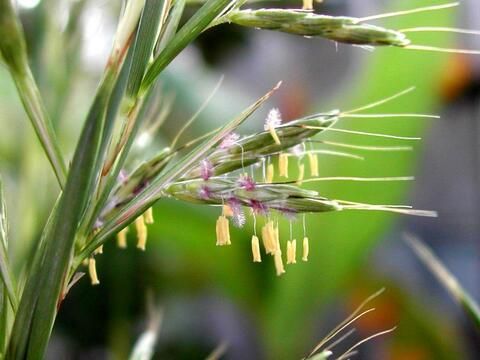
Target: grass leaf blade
[
  {"x": 445, "y": 277},
  {"x": 53, "y": 264},
  {"x": 5, "y": 273},
  {"x": 183, "y": 37}
]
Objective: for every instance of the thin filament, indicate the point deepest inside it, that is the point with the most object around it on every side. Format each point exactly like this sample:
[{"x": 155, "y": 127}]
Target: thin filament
[{"x": 408, "y": 12}]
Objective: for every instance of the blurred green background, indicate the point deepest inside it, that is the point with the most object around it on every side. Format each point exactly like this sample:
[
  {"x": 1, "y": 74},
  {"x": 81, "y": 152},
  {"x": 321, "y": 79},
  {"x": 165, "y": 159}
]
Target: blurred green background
[{"x": 211, "y": 294}]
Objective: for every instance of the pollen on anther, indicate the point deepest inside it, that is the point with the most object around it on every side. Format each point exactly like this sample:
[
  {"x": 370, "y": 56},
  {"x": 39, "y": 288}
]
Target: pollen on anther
[
  {"x": 270, "y": 174},
  {"x": 257, "y": 257},
  {"x": 292, "y": 252},
  {"x": 305, "y": 249},
  {"x": 307, "y": 5},
  {"x": 141, "y": 232},
  {"x": 223, "y": 231},
  {"x": 269, "y": 238},
  {"x": 122, "y": 238},
  {"x": 92, "y": 271},
  {"x": 227, "y": 210},
  {"x": 301, "y": 173},
  {"x": 149, "y": 216},
  {"x": 99, "y": 250},
  {"x": 283, "y": 165},
  {"x": 313, "y": 160}
]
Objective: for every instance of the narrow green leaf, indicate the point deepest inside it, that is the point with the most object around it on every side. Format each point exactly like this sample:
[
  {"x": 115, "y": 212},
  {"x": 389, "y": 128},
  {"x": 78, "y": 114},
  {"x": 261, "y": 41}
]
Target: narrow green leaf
[
  {"x": 38, "y": 308},
  {"x": 110, "y": 118},
  {"x": 14, "y": 53},
  {"x": 153, "y": 14},
  {"x": 5, "y": 271},
  {"x": 184, "y": 37},
  {"x": 153, "y": 191},
  {"x": 23, "y": 318},
  {"x": 3, "y": 319},
  {"x": 445, "y": 277},
  {"x": 171, "y": 25}
]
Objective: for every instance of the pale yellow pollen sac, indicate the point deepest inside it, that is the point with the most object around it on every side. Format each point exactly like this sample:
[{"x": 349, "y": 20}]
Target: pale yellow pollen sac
[
  {"x": 122, "y": 238},
  {"x": 141, "y": 232},
  {"x": 149, "y": 216},
  {"x": 257, "y": 257},
  {"x": 99, "y": 250},
  {"x": 92, "y": 271},
  {"x": 292, "y": 252},
  {"x": 313, "y": 159},
  {"x": 270, "y": 173},
  {"x": 223, "y": 231},
  {"x": 301, "y": 173},
  {"x": 274, "y": 134},
  {"x": 305, "y": 249},
  {"x": 277, "y": 257},
  {"x": 307, "y": 5},
  {"x": 268, "y": 238},
  {"x": 227, "y": 211},
  {"x": 283, "y": 165}
]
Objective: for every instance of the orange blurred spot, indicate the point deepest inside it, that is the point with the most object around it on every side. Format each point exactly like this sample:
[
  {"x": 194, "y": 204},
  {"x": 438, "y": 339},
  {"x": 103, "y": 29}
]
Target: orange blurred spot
[
  {"x": 456, "y": 76},
  {"x": 410, "y": 352},
  {"x": 386, "y": 314}
]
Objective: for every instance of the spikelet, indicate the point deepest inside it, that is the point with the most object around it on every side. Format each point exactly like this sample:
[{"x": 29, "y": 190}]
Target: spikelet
[
  {"x": 283, "y": 165},
  {"x": 92, "y": 272},
  {"x": 223, "y": 231},
  {"x": 149, "y": 216},
  {"x": 122, "y": 238},
  {"x": 305, "y": 249},
  {"x": 257, "y": 257},
  {"x": 292, "y": 252},
  {"x": 270, "y": 173},
  {"x": 141, "y": 232},
  {"x": 301, "y": 173},
  {"x": 313, "y": 160}
]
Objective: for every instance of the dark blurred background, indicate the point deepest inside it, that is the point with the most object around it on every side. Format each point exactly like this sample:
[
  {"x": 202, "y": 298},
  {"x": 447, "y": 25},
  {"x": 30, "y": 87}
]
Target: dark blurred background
[{"x": 209, "y": 295}]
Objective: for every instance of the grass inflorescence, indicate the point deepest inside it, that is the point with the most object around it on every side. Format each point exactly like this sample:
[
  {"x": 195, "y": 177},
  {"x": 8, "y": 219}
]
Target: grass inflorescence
[{"x": 246, "y": 176}]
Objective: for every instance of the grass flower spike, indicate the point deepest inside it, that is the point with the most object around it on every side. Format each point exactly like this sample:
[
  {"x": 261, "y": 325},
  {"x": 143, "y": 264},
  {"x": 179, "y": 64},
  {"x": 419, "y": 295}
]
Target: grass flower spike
[{"x": 109, "y": 185}]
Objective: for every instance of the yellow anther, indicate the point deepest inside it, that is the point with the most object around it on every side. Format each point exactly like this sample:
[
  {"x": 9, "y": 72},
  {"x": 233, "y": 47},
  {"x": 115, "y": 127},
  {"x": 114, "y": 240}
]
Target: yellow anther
[
  {"x": 283, "y": 165},
  {"x": 274, "y": 134},
  {"x": 270, "y": 173},
  {"x": 227, "y": 211},
  {"x": 277, "y": 257},
  {"x": 223, "y": 231},
  {"x": 313, "y": 159},
  {"x": 92, "y": 271},
  {"x": 292, "y": 252},
  {"x": 257, "y": 257},
  {"x": 307, "y": 5},
  {"x": 269, "y": 238},
  {"x": 122, "y": 238},
  {"x": 149, "y": 216},
  {"x": 141, "y": 232},
  {"x": 305, "y": 249},
  {"x": 99, "y": 250},
  {"x": 301, "y": 173}
]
